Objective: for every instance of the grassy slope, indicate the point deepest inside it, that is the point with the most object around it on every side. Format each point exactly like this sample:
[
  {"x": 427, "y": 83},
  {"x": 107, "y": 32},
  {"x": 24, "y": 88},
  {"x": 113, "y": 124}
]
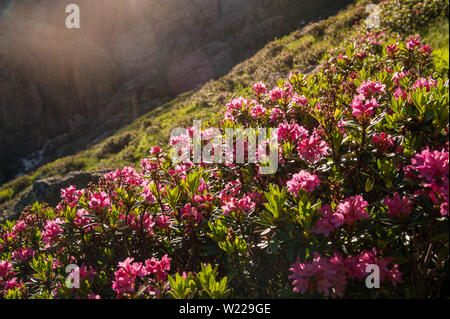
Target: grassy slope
[{"x": 301, "y": 50}]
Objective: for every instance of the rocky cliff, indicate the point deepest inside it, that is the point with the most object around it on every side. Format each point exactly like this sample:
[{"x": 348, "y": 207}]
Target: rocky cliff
[{"x": 61, "y": 89}]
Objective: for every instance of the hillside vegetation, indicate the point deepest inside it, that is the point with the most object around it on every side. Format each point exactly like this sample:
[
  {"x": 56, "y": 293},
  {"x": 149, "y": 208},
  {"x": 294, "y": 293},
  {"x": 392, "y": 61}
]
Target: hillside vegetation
[{"x": 362, "y": 153}]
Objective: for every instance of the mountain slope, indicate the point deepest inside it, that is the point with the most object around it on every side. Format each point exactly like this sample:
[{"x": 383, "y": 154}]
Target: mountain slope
[{"x": 67, "y": 87}]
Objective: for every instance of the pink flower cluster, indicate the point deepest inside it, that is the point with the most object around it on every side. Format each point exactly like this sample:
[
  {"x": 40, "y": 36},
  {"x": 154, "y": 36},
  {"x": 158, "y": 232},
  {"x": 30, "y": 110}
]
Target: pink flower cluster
[
  {"x": 142, "y": 222},
  {"x": 191, "y": 213},
  {"x": 328, "y": 221},
  {"x": 385, "y": 142},
  {"x": 291, "y": 132},
  {"x": 302, "y": 180},
  {"x": 129, "y": 271},
  {"x": 81, "y": 219},
  {"x": 398, "y": 207},
  {"x": 364, "y": 104},
  {"x": 353, "y": 208},
  {"x": 71, "y": 195},
  {"x": 7, "y": 279},
  {"x": 259, "y": 88},
  {"x": 312, "y": 148},
  {"x": 23, "y": 254},
  {"x": 433, "y": 168},
  {"x": 125, "y": 176},
  {"x": 363, "y": 109},
  {"x": 425, "y": 83},
  {"x": 371, "y": 88},
  {"x": 99, "y": 201},
  {"x": 330, "y": 275},
  {"x": 348, "y": 211},
  {"x": 232, "y": 204},
  {"x": 52, "y": 230}
]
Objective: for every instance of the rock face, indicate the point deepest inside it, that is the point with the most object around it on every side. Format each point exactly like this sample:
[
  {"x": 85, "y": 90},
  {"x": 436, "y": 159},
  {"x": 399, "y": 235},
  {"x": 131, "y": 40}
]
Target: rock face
[{"x": 61, "y": 89}]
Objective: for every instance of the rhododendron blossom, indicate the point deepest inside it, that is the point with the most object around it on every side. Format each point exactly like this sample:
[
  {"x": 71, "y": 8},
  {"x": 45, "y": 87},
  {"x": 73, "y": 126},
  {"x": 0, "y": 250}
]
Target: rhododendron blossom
[
  {"x": 330, "y": 275},
  {"x": 52, "y": 230},
  {"x": 126, "y": 276},
  {"x": 425, "y": 83},
  {"x": 99, "y": 201},
  {"x": 363, "y": 109},
  {"x": 312, "y": 148},
  {"x": 398, "y": 207},
  {"x": 328, "y": 220},
  {"x": 353, "y": 208},
  {"x": 371, "y": 88},
  {"x": 302, "y": 180},
  {"x": 259, "y": 88}
]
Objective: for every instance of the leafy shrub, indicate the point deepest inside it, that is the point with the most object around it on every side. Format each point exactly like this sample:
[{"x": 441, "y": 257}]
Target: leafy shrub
[{"x": 362, "y": 180}]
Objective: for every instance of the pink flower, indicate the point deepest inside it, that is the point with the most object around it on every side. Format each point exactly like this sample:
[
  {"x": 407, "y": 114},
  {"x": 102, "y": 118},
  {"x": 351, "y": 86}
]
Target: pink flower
[
  {"x": 246, "y": 204},
  {"x": 371, "y": 88},
  {"x": 52, "y": 230},
  {"x": 257, "y": 111},
  {"x": 426, "y": 49},
  {"x": 259, "y": 88},
  {"x": 328, "y": 221},
  {"x": 142, "y": 222},
  {"x": 148, "y": 165},
  {"x": 22, "y": 254},
  {"x": 158, "y": 267},
  {"x": 80, "y": 218},
  {"x": 430, "y": 164},
  {"x": 70, "y": 195},
  {"x": 398, "y": 207},
  {"x": 99, "y": 201},
  {"x": 398, "y": 76},
  {"x": 433, "y": 167},
  {"x": 232, "y": 204},
  {"x": 413, "y": 43},
  {"x": 290, "y": 132},
  {"x": 11, "y": 284},
  {"x": 126, "y": 276},
  {"x": 276, "y": 94},
  {"x": 155, "y": 150},
  {"x": 191, "y": 213},
  {"x": 302, "y": 180},
  {"x": 330, "y": 275},
  {"x": 425, "y": 83},
  {"x": 392, "y": 49},
  {"x": 163, "y": 221},
  {"x": 400, "y": 93},
  {"x": 148, "y": 195},
  {"x": 300, "y": 100},
  {"x": 353, "y": 208},
  {"x": 385, "y": 142},
  {"x": 362, "y": 109},
  {"x": 312, "y": 148},
  {"x": 19, "y": 227},
  {"x": 320, "y": 275},
  {"x": 6, "y": 269},
  {"x": 276, "y": 115},
  {"x": 235, "y": 107}
]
